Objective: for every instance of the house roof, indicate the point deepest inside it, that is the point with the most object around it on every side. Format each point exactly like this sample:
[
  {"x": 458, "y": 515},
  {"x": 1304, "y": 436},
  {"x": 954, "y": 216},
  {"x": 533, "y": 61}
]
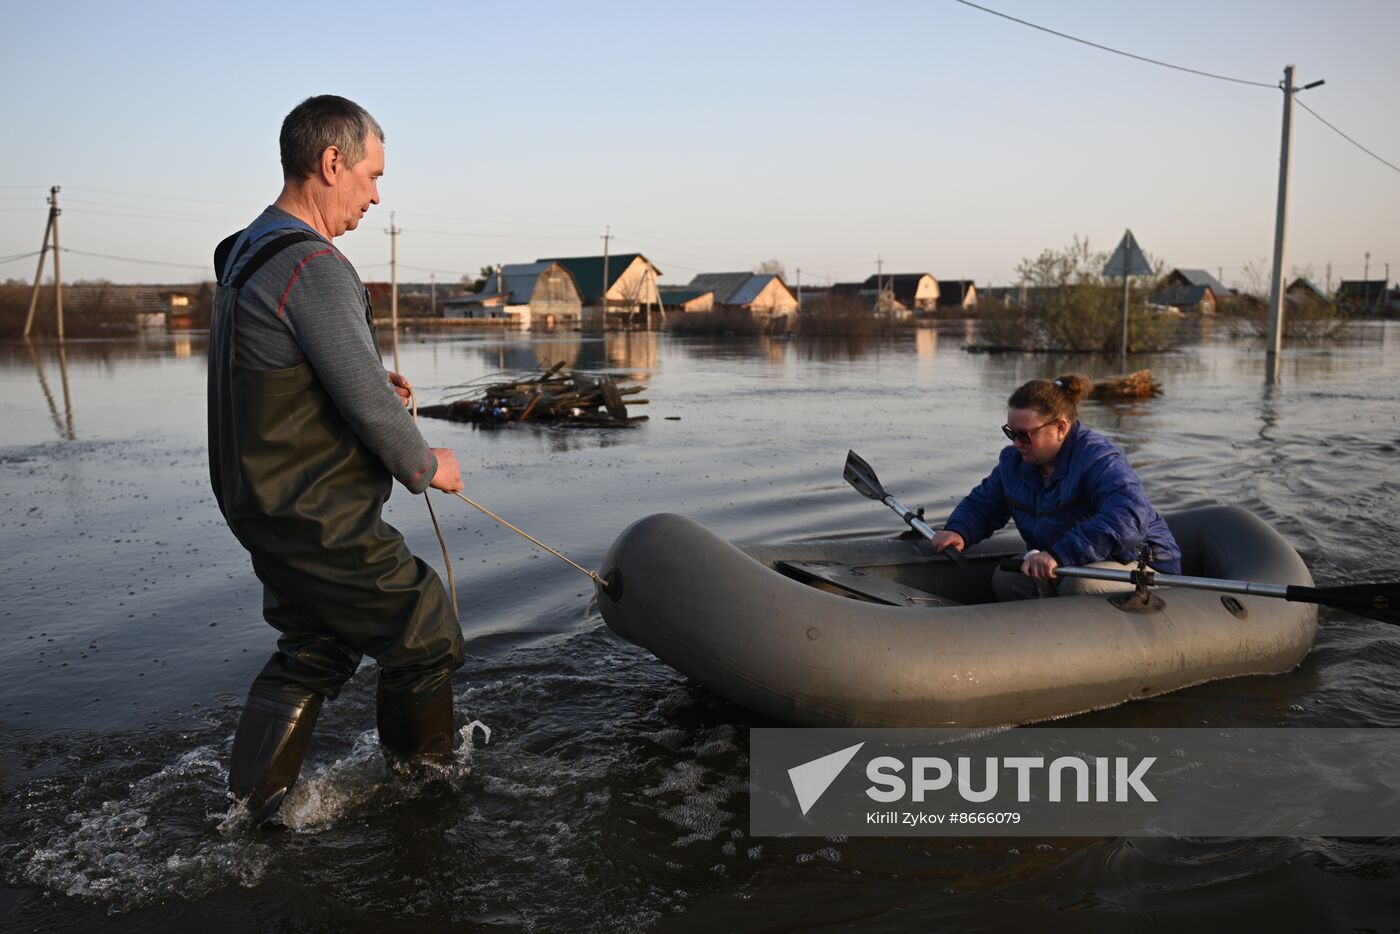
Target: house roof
[
  {"x": 723, "y": 284},
  {"x": 673, "y": 295},
  {"x": 1201, "y": 277},
  {"x": 1303, "y": 284},
  {"x": 1176, "y": 294},
  {"x": 953, "y": 291},
  {"x": 751, "y": 289},
  {"x": 1361, "y": 290},
  {"x": 904, "y": 286},
  {"x": 520, "y": 280},
  {"x": 849, "y": 289},
  {"x": 588, "y": 271}
]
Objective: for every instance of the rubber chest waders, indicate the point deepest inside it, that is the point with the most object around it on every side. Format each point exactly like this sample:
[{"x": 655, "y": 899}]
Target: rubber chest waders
[{"x": 304, "y": 496}]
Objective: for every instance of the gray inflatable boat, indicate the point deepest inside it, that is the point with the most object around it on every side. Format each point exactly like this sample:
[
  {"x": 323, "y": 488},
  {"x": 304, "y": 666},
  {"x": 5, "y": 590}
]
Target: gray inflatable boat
[{"x": 886, "y": 633}]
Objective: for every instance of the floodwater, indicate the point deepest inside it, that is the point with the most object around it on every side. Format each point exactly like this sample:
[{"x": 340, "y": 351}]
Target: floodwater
[{"x": 598, "y": 789}]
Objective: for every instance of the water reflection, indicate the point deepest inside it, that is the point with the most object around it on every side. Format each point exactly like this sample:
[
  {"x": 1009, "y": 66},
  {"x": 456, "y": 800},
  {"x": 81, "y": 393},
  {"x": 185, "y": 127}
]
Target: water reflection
[
  {"x": 63, "y": 425},
  {"x": 635, "y": 351}
]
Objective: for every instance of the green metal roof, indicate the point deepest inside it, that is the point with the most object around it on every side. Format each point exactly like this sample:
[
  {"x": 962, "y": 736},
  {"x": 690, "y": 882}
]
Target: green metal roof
[
  {"x": 681, "y": 296},
  {"x": 588, "y": 271}
]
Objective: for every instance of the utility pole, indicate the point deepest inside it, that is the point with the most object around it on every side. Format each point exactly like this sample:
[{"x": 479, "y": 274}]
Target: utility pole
[
  {"x": 879, "y": 281},
  {"x": 799, "y": 288},
  {"x": 1127, "y": 279},
  {"x": 1276, "y": 303},
  {"x": 393, "y": 233},
  {"x": 1366, "y": 269},
  {"x": 432, "y": 294},
  {"x": 1329, "y": 278},
  {"x": 50, "y": 230},
  {"x": 607, "y": 236}
]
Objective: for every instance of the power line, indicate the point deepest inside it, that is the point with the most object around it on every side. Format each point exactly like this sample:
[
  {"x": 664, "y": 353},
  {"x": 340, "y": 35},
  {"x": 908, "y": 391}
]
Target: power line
[
  {"x": 138, "y": 214},
  {"x": 1105, "y": 48},
  {"x": 445, "y": 272},
  {"x": 491, "y": 220},
  {"x": 144, "y": 194},
  {"x": 498, "y": 236},
  {"x": 1329, "y": 126},
  {"x": 147, "y": 210},
  {"x": 132, "y": 259},
  {"x": 19, "y": 256}
]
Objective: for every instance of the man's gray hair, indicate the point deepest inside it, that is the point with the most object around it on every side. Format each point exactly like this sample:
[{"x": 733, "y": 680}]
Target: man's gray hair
[{"x": 321, "y": 121}]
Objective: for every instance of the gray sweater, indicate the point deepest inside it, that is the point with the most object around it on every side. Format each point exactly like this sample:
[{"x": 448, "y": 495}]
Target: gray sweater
[{"x": 307, "y": 304}]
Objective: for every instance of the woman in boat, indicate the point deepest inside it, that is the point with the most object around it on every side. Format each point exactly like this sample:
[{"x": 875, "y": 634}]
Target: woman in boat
[{"x": 1073, "y": 495}]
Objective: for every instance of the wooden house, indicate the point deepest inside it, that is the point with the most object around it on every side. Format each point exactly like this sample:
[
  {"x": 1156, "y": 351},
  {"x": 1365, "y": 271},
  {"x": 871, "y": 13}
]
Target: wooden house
[
  {"x": 917, "y": 291},
  {"x": 145, "y": 306},
  {"x": 956, "y": 296},
  {"x": 1304, "y": 292},
  {"x": 631, "y": 285},
  {"x": 1188, "y": 299},
  {"x": 533, "y": 295},
  {"x": 685, "y": 299},
  {"x": 1196, "y": 278},
  {"x": 761, "y": 293},
  {"x": 1362, "y": 294}
]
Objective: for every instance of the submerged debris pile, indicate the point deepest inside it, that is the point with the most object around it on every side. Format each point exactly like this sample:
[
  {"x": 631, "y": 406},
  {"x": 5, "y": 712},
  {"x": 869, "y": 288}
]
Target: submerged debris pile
[
  {"x": 551, "y": 395},
  {"x": 1136, "y": 385}
]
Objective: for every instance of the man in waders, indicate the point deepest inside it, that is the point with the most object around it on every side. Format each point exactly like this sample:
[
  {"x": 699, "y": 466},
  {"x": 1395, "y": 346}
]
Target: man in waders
[{"x": 307, "y": 432}]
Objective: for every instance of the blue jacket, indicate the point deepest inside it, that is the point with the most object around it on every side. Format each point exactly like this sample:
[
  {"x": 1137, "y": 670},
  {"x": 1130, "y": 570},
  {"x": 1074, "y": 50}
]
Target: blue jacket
[{"x": 1091, "y": 509}]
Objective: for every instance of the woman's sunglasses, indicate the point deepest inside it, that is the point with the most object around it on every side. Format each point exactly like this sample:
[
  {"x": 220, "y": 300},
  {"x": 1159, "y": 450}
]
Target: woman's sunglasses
[{"x": 1017, "y": 436}]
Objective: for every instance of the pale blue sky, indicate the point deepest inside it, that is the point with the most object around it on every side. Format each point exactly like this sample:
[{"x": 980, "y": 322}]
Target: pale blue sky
[{"x": 712, "y": 136}]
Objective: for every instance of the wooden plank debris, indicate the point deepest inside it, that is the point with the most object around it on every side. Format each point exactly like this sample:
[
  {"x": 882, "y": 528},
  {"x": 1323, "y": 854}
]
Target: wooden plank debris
[{"x": 551, "y": 395}]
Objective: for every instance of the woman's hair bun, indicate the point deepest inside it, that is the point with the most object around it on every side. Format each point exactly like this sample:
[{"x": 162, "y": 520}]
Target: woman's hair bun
[{"x": 1076, "y": 386}]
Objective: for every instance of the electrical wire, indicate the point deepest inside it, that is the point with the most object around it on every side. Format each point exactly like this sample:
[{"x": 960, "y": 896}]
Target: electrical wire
[
  {"x": 496, "y": 236},
  {"x": 160, "y": 212},
  {"x": 172, "y": 218},
  {"x": 19, "y": 256},
  {"x": 144, "y": 194},
  {"x": 1329, "y": 126},
  {"x": 1105, "y": 48},
  {"x": 132, "y": 259}
]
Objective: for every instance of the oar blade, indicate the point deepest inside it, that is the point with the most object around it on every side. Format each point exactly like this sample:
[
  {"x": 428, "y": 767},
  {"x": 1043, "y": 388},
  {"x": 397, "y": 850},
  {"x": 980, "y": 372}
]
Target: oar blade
[
  {"x": 860, "y": 475},
  {"x": 1375, "y": 601}
]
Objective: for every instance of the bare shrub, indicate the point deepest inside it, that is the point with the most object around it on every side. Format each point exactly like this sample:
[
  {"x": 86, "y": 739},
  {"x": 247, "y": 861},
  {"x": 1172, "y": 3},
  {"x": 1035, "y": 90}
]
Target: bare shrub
[
  {"x": 718, "y": 321},
  {"x": 840, "y": 315},
  {"x": 1004, "y": 327}
]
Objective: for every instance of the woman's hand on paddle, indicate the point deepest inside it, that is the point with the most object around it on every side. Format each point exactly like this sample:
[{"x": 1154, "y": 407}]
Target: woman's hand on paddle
[
  {"x": 403, "y": 387},
  {"x": 449, "y": 473},
  {"x": 1039, "y": 565},
  {"x": 944, "y": 539}
]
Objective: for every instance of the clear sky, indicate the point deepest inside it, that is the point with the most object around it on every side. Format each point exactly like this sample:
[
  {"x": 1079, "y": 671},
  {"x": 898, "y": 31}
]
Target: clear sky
[{"x": 712, "y": 136}]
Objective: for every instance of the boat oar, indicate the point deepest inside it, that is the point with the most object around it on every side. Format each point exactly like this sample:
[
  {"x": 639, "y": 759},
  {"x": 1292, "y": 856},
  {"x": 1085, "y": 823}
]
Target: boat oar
[
  {"x": 860, "y": 475},
  {"x": 1375, "y": 601}
]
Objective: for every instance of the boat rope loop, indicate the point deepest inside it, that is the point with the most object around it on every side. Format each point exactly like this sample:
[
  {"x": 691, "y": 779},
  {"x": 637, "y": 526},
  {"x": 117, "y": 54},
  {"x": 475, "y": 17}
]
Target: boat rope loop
[{"x": 442, "y": 542}]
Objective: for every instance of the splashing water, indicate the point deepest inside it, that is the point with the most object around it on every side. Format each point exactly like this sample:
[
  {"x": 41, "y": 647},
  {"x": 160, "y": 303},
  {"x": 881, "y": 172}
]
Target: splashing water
[{"x": 150, "y": 846}]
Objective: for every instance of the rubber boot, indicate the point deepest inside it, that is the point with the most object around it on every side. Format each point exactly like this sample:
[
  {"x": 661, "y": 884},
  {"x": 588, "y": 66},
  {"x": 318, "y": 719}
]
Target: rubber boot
[
  {"x": 267, "y": 751},
  {"x": 416, "y": 729}
]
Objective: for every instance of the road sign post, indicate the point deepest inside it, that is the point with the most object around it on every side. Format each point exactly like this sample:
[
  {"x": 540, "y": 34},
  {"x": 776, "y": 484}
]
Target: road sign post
[{"x": 1128, "y": 260}]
